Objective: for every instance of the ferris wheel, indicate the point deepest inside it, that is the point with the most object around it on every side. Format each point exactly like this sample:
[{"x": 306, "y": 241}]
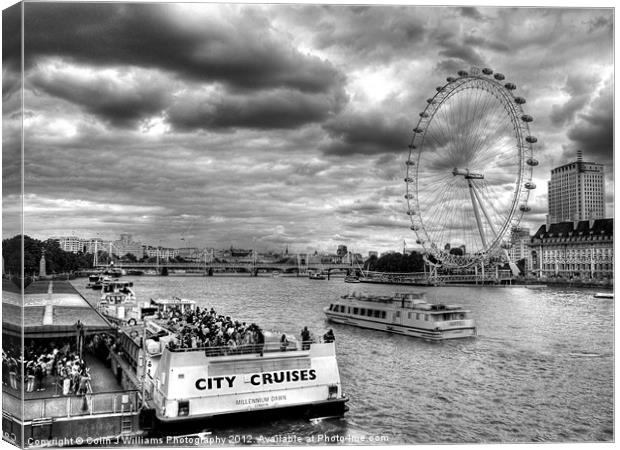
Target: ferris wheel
[{"x": 469, "y": 171}]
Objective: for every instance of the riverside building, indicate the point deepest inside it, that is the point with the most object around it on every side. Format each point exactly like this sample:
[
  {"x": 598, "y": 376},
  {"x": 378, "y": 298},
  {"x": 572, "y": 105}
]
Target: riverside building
[
  {"x": 577, "y": 191},
  {"x": 574, "y": 250}
]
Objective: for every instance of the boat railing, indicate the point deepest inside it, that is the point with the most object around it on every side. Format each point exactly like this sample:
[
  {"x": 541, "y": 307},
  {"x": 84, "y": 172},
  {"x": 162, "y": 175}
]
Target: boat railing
[
  {"x": 242, "y": 349},
  {"x": 65, "y": 406}
]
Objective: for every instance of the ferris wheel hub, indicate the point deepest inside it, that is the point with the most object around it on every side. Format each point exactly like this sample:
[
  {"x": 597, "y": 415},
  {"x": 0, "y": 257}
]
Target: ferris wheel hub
[{"x": 467, "y": 174}]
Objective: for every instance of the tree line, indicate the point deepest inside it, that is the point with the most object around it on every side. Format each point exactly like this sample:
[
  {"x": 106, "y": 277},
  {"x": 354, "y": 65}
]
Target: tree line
[
  {"x": 56, "y": 259},
  {"x": 395, "y": 262}
]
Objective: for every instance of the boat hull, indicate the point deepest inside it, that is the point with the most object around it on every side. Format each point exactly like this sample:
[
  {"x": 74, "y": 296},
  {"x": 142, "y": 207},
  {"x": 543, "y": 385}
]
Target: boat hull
[
  {"x": 334, "y": 408},
  {"x": 433, "y": 335}
]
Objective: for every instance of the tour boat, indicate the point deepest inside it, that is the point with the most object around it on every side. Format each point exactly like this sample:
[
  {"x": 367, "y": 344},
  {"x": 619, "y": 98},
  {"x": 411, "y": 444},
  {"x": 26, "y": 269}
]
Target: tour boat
[
  {"x": 409, "y": 314},
  {"x": 316, "y": 276},
  {"x": 351, "y": 279},
  {"x": 604, "y": 295},
  {"x": 218, "y": 385}
]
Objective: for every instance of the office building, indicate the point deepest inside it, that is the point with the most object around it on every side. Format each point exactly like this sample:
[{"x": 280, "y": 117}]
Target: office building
[{"x": 576, "y": 191}]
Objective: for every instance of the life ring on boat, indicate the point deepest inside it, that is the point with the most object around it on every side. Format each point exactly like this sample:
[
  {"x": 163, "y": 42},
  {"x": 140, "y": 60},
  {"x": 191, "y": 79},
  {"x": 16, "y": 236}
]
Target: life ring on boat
[
  {"x": 131, "y": 322},
  {"x": 461, "y": 316},
  {"x": 133, "y": 334}
]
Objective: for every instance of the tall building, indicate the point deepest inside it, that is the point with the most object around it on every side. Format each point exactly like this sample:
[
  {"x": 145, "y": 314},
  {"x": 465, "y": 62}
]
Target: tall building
[
  {"x": 520, "y": 246},
  {"x": 576, "y": 191},
  {"x": 126, "y": 245},
  {"x": 71, "y": 244}
]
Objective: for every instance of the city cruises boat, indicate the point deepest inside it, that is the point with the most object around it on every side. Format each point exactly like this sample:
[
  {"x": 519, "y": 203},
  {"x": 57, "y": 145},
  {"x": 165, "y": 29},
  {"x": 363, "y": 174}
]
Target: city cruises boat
[
  {"x": 121, "y": 307},
  {"x": 116, "y": 286},
  {"x": 351, "y": 279},
  {"x": 124, "y": 309},
  {"x": 409, "y": 314},
  {"x": 188, "y": 387},
  {"x": 98, "y": 284}
]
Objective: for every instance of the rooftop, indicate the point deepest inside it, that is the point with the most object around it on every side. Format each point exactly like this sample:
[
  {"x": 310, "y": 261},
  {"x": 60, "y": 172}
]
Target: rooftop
[{"x": 47, "y": 309}]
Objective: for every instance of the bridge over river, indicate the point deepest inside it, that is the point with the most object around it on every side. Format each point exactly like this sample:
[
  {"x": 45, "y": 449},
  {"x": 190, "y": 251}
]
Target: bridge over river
[{"x": 253, "y": 268}]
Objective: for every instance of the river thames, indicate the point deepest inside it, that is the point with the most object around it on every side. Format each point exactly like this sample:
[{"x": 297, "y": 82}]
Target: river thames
[{"x": 540, "y": 370}]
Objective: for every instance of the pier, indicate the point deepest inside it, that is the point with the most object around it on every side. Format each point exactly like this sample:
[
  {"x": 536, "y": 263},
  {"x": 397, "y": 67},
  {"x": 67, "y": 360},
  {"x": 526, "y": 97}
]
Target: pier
[{"x": 53, "y": 314}]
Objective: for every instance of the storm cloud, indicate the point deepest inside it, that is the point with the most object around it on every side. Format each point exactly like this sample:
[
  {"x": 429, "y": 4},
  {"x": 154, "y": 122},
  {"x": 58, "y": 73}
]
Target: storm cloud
[{"x": 274, "y": 125}]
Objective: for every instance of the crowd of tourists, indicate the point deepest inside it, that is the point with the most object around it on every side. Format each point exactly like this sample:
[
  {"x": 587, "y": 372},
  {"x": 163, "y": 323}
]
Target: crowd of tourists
[
  {"x": 45, "y": 367},
  {"x": 218, "y": 334}
]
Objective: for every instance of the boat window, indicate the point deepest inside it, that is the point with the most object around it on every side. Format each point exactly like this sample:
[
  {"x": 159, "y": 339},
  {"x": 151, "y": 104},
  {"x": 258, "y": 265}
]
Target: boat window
[
  {"x": 369, "y": 313},
  {"x": 183, "y": 407},
  {"x": 348, "y": 310},
  {"x": 355, "y": 310},
  {"x": 417, "y": 316},
  {"x": 377, "y": 313},
  {"x": 426, "y": 317},
  {"x": 409, "y": 315},
  {"x": 331, "y": 307},
  {"x": 383, "y": 314},
  {"x": 342, "y": 308},
  {"x": 397, "y": 314},
  {"x": 363, "y": 311}
]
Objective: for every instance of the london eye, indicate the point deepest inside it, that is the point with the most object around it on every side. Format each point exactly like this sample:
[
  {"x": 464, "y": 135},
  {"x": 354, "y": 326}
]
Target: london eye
[{"x": 469, "y": 170}]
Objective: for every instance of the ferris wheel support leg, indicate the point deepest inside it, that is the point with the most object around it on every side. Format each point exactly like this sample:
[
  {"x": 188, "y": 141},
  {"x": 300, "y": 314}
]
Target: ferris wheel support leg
[
  {"x": 513, "y": 266},
  {"x": 484, "y": 211},
  {"x": 476, "y": 213}
]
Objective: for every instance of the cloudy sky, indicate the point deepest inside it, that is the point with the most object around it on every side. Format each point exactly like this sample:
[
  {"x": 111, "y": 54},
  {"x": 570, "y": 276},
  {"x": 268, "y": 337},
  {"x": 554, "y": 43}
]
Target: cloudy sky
[{"x": 271, "y": 125}]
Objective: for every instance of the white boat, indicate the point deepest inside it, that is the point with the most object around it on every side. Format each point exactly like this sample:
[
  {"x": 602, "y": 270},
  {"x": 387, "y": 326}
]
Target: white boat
[
  {"x": 188, "y": 386},
  {"x": 351, "y": 279},
  {"x": 604, "y": 295},
  {"x": 409, "y": 314},
  {"x": 316, "y": 276}
]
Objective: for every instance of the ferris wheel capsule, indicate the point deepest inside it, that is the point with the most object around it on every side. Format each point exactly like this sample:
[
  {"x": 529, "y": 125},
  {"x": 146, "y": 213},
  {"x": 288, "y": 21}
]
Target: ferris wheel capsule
[
  {"x": 412, "y": 147},
  {"x": 409, "y": 196},
  {"x": 408, "y": 180},
  {"x": 531, "y": 139},
  {"x": 510, "y": 86},
  {"x": 530, "y": 185},
  {"x": 410, "y": 162},
  {"x": 462, "y": 73},
  {"x": 526, "y": 118},
  {"x": 410, "y": 212},
  {"x": 439, "y": 88},
  {"x": 418, "y": 130},
  {"x": 499, "y": 76},
  {"x": 532, "y": 162},
  {"x": 414, "y": 227},
  {"x": 520, "y": 100},
  {"x": 429, "y": 101},
  {"x": 525, "y": 208},
  {"x": 487, "y": 71},
  {"x": 419, "y": 241},
  {"x": 450, "y": 79},
  {"x": 424, "y": 114}
]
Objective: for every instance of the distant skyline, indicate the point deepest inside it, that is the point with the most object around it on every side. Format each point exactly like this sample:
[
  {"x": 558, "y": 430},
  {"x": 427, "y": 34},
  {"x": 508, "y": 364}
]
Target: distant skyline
[{"x": 211, "y": 125}]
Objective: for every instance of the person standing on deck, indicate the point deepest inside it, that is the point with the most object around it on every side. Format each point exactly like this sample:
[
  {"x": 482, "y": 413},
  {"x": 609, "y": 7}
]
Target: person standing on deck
[{"x": 305, "y": 339}]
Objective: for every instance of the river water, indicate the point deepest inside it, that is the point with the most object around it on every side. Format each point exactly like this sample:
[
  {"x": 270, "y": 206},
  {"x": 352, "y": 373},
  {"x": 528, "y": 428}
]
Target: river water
[{"x": 540, "y": 370}]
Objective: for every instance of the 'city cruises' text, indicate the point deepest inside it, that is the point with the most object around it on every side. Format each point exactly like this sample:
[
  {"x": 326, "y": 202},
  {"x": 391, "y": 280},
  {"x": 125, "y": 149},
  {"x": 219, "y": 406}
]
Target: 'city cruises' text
[{"x": 257, "y": 379}]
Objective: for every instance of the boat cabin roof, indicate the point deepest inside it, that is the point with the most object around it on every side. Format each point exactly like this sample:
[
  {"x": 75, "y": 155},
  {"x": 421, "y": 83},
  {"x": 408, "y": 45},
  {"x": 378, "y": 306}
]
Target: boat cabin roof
[
  {"x": 172, "y": 301},
  {"x": 409, "y": 300}
]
